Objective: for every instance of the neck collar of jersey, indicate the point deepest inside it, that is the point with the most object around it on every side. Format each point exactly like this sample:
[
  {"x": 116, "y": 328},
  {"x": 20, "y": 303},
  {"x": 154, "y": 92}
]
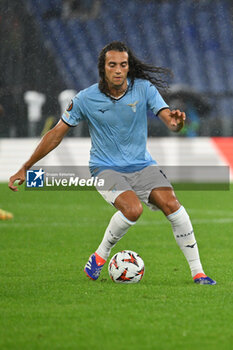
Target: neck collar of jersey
[{"x": 125, "y": 92}]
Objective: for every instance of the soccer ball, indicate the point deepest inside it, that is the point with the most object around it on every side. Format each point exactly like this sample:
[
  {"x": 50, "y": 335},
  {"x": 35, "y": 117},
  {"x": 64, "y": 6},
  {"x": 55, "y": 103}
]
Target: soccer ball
[{"x": 126, "y": 267}]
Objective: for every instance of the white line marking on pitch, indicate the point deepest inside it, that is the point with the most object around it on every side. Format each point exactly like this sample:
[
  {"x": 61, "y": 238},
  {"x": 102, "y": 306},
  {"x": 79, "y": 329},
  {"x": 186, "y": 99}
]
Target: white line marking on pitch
[
  {"x": 140, "y": 223},
  {"x": 211, "y": 212},
  {"x": 194, "y": 221}
]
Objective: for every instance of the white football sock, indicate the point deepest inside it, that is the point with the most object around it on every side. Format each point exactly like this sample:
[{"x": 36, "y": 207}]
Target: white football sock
[
  {"x": 117, "y": 228},
  {"x": 184, "y": 236}
]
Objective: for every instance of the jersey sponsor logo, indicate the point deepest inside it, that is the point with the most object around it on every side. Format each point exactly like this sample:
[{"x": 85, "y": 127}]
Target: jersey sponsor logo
[
  {"x": 35, "y": 178},
  {"x": 133, "y": 106},
  {"x": 70, "y": 106},
  {"x": 103, "y": 110}
]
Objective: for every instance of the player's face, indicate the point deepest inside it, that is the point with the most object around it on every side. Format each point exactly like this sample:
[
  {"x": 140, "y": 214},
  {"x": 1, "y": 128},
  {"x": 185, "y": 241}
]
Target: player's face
[{"x": 116, "y": 69}]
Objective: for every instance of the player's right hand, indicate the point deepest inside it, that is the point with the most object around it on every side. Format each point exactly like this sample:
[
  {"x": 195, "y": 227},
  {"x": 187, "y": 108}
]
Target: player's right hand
[{"x": 20, "y": 175}]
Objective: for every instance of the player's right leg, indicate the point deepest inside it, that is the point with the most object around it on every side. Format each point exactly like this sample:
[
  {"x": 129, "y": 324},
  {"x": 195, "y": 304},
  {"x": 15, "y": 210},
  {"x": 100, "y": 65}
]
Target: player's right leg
[{"x": 129, "y": 209}]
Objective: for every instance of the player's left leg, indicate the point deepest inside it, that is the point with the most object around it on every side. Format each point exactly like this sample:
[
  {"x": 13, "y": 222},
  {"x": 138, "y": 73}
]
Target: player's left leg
[{"x": 164, "y": 198}]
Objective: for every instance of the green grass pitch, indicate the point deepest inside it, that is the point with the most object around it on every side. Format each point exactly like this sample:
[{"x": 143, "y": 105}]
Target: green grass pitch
[{"x": 47, "y": 302}]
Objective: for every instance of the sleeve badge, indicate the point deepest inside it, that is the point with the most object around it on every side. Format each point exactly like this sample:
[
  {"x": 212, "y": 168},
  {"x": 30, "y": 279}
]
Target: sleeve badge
[{"x": 70, "y": 106}]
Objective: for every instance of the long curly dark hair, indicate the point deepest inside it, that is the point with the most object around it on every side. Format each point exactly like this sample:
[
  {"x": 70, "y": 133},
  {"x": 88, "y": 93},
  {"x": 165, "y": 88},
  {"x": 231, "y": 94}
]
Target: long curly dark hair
[{"x": 137, "y": 69}]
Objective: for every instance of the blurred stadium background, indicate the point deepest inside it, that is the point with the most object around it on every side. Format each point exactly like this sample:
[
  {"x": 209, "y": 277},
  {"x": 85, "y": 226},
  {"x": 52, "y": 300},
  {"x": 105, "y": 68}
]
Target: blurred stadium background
[{"x": 49, "y": 51}]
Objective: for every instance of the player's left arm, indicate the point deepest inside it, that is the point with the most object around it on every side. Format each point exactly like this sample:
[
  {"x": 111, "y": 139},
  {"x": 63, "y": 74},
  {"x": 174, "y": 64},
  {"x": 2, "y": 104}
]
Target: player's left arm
[{"x": 174, "y": 119}]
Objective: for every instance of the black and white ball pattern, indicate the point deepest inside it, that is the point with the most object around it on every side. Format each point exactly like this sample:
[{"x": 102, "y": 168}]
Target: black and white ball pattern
[{"x": 126, "y": 267}]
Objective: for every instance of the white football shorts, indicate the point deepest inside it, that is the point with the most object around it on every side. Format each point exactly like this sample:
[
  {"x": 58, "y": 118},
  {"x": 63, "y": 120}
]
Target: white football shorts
[{"x": 141, "y": 182}]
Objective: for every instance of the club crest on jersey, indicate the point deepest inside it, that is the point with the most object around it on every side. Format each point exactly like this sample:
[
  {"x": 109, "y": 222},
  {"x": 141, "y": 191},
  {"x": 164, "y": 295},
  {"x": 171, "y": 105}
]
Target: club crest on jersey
[{"x": 133, "y": 106}]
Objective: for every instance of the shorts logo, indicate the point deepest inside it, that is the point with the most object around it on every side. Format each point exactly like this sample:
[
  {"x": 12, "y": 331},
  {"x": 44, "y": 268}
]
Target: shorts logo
[
  {"x": 113, "y": 189},
  {"x": 133, "y": 106},
  {"x": 35, "y": 178}
]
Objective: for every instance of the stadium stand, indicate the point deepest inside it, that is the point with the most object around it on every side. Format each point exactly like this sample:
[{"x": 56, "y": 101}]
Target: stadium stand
[
  {"x": 54, "y": 49},
  {"x": 190, "y": 37}
]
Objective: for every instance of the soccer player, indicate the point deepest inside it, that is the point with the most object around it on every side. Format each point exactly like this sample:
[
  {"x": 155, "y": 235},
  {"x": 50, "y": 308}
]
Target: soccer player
[{"x": 116, "y": 112}]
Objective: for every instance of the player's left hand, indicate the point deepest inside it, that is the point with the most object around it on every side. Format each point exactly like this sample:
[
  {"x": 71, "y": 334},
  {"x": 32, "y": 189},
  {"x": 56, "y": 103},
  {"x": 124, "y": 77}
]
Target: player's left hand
[{"x": 177, "y": 119}]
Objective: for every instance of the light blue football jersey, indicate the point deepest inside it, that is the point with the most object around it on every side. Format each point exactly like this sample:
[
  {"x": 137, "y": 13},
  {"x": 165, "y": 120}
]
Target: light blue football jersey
[{"x": 118, "y": 127}]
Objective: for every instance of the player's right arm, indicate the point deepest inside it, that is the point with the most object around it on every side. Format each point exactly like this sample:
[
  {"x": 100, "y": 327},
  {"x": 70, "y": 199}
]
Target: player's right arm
[{"x": 50, "y": 141}]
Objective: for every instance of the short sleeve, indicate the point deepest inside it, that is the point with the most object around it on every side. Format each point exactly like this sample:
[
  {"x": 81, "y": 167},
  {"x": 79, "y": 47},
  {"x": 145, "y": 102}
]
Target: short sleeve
[
  {"x": 155, "y": 102},
  {"x": 73, "y": 114}
]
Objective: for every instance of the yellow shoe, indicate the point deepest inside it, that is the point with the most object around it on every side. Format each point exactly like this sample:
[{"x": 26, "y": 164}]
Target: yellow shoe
[{"x": 5, "y": 215}]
